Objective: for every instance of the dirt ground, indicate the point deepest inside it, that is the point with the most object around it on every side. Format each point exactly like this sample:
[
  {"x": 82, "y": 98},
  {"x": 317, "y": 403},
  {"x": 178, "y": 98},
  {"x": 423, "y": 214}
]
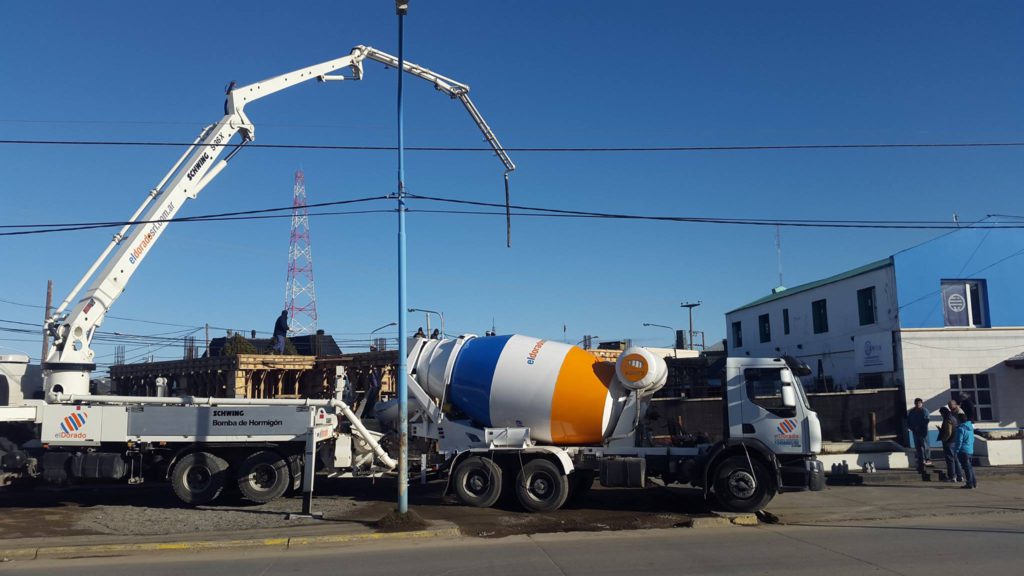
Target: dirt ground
[{"x": 153, "y": 510}]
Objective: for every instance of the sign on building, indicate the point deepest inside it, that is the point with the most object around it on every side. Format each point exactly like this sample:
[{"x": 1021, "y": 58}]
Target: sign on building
[
  {"x": 873, "y": 352},
  {"x": 954, "y": 304}
]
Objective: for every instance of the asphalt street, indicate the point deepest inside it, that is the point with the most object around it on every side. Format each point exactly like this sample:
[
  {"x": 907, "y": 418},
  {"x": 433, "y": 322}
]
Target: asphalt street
[{"x": 986, "y": 543}]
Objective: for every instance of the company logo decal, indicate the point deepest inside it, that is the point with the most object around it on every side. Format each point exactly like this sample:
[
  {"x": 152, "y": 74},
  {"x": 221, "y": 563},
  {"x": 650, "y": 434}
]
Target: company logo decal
[
  {"x": 72, "y": 427},
  {"x": 788, "y": 434},
  {"x": 871, "y": 349},
  {"x": 634, "y": 367},
  {"x": 73, "y": 422},
  {"x": 150, "y": 235},
  {"x": 532, "y": 356},
  {"x": 956, "y": 303}
]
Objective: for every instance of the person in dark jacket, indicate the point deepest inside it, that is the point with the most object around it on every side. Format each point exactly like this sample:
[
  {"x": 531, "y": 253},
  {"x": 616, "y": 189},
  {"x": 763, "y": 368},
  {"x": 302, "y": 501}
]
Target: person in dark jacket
[
  {"x": 965, "y": 449},
  {"x": 917, "y": 422},
  {"x": 280, "y": 331},
  {"x": 947, "y": 435},
  {"x": 968, "y": 406}
]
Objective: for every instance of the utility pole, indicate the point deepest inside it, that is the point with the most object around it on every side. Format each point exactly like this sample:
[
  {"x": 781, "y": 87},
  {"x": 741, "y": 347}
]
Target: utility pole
[
  {"x": 46, "y": 318},
  {"x": 690, "y": 306},
  {"x": 401, "y": 9}
]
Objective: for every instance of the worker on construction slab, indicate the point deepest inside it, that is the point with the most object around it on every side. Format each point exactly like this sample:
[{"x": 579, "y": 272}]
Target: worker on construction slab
[{"x": 280, "y": 331}]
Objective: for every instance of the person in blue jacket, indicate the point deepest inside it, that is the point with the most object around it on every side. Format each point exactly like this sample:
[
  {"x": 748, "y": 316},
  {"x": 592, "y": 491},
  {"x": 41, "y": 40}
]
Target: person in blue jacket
[{"x": 965, "y": 448}]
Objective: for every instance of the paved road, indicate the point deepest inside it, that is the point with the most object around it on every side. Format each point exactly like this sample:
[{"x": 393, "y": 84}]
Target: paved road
[{"x": 986, "y": 543}]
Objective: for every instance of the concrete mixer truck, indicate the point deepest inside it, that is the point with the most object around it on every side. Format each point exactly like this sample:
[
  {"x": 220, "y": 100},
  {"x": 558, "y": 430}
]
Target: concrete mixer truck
[{"x": 545, "y": 419}]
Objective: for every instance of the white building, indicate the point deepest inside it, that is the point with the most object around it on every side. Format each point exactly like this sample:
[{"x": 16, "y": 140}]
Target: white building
[{"x": 921, "y": 320}]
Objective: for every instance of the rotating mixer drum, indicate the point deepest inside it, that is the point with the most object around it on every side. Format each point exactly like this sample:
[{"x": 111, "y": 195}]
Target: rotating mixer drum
[{"x": 564, "y": 394}]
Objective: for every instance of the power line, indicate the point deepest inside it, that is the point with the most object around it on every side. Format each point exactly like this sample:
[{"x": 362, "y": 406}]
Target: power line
[
  {"x": 535, "y": 211},
  {"x": 239, "y": 215},
  {"x": 539, "y": 149},
  {"x": 877, "y": 224},
  {"x": 199, "y": 217}
]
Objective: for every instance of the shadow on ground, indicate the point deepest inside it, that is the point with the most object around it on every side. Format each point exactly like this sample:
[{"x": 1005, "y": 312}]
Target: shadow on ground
[{"x": 152, "y": 509}]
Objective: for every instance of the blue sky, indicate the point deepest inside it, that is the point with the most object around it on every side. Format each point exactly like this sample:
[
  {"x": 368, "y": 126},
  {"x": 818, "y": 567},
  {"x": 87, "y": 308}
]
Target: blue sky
[{"x": 543, "y": 75}]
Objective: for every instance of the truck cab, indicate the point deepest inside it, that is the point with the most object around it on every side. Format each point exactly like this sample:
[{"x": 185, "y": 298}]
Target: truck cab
[{"x": 770, "y": 436}]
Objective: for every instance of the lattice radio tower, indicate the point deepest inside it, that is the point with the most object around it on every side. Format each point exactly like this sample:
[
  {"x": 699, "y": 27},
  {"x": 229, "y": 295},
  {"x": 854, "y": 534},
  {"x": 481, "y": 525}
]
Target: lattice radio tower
[{"x": 299, "y": 291}]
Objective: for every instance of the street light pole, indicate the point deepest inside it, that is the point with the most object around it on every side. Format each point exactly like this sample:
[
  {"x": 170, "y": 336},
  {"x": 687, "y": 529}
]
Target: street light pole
[
  {"x": 675, "y": 354},
  {"x": 427, "y": 313},
  {"x": 690, "y": 306},
  {"x": 375, "y": 330}
]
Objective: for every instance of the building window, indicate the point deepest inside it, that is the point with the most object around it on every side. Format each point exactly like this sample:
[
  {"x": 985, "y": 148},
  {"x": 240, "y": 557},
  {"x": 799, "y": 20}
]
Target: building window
[
  {"x": 819, "y": 312},
  {"x": 764, "y": 325},
  {"x": 737, "y": 334},
  {"x": 977, "y": 388},
  {"x": 785, "y": 320},
  {"x": 965, "y": 303},
  {"x": 866, "y": 306}
]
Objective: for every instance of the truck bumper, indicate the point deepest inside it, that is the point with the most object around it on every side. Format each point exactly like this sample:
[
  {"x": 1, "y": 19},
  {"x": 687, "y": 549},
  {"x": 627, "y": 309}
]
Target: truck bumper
[{"x": 807, "y": 474}]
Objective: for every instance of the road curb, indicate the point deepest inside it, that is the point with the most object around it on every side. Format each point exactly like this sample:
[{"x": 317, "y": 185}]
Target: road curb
[
  {"x": 86, "y": 551},
  {"x": 723, "y": 520},
  {"x": 709, "y": 522}
]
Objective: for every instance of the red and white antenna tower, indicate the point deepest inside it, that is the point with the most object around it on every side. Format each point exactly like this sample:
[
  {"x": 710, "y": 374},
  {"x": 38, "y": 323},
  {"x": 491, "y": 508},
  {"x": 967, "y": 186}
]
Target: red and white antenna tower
[{"x": 299, "y": 291}]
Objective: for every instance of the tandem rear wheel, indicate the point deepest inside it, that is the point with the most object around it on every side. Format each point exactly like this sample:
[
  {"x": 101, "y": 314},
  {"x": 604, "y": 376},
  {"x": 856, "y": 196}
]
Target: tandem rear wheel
[
  {"x": 198, "y": 478},
  {"x": 263, "y": 476},
  {"x": 478, "y": 481},
  {"x": 540, "y": 485}
]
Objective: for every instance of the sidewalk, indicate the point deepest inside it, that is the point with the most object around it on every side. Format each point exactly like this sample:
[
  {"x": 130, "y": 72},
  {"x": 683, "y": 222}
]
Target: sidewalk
[
  {"x": 906, "y": 497},
  {"x": 909, "y": 476}
]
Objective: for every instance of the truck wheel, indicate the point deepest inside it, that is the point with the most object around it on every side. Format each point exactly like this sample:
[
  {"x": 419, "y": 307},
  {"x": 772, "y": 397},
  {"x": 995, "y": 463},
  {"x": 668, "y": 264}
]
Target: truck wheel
[
  {"x": 198, "y": 478},
  {"x": 478, "y": 481},
  {"x": 263, "y": 476},
  {"x": 740, "y": 489},
  {"x": 541, "y": 486}
]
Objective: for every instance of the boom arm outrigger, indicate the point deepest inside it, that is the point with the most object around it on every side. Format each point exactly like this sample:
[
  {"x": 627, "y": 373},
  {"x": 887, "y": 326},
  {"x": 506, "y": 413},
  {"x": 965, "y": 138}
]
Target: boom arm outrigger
[{"x": 70, "y": 359}]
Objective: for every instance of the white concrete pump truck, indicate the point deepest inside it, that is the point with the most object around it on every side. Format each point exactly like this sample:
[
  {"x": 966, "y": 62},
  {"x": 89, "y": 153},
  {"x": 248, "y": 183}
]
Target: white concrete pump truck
[{"x": 198, "y": 444}]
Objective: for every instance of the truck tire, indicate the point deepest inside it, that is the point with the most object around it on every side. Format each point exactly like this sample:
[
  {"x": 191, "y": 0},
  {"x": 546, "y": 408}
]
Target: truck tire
[
  {"x": 541, "y": 486},
  {"x": 478, "y": 481},
  {"x": 740, "y": 489},
  {"x": 198, "y": 478},
  {"x": 263, "y": 476}
]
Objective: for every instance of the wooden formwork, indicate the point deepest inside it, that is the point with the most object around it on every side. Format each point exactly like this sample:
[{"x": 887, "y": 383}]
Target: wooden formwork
[
  {"x": 269, "y": 376},
  {"x": 254, "y": 375}
]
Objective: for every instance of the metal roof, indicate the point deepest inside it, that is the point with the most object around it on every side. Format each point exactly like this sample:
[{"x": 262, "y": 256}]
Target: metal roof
[
  {"x": 811, "y": 285},
  {"x": 1015, "y": 361}
]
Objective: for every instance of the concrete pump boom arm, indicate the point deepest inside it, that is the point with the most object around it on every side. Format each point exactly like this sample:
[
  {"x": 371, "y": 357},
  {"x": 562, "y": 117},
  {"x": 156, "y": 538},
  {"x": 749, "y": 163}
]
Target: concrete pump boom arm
[
  {"x": 452, "y": 88},
  {"x": 70, "y": 358}
]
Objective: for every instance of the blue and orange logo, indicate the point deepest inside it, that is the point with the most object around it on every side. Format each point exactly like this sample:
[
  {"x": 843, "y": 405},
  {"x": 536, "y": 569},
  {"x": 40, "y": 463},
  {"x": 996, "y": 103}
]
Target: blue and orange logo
[
  {"x": 787, "y": 427},
  {"x": 74, "y": 422}
]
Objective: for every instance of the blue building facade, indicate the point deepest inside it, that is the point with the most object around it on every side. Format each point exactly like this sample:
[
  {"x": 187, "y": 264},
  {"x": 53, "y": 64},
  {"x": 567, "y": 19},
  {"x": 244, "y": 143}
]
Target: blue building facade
[{"x": 995, "y": 257}]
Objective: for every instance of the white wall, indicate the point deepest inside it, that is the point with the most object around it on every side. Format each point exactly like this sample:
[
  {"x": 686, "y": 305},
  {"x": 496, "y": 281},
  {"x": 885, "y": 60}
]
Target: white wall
[
  {"x": 835, "y": 347},
  {"x": 930, "y": 355}
]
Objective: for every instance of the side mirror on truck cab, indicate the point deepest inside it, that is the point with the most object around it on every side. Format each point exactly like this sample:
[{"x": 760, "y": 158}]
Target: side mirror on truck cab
[{"x": 788, "y": 394}]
